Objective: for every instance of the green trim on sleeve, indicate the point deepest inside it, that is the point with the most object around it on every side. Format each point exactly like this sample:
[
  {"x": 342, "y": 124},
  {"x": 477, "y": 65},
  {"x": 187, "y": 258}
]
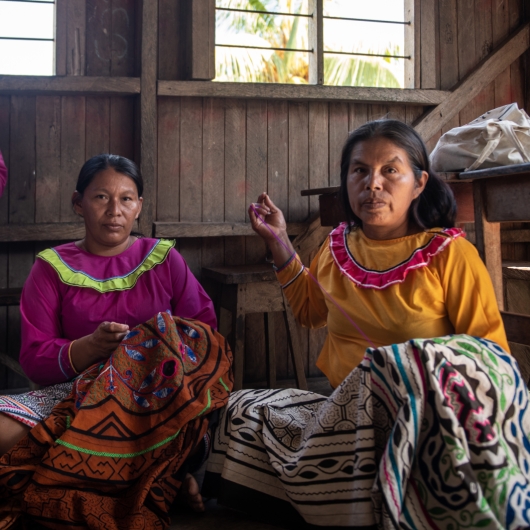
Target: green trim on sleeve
[{"x": 69, "y": 276}]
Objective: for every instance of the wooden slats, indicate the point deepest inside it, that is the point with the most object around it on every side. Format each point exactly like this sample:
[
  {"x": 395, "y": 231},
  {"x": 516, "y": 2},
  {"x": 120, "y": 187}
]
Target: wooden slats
[
  {"x": 42, "y": 85},
  {"x": 41, "y": 232},
  {"x": 517, "y": 327},
  {"x": 301, "y": 92},
  {"x": 489, "y": 69}
]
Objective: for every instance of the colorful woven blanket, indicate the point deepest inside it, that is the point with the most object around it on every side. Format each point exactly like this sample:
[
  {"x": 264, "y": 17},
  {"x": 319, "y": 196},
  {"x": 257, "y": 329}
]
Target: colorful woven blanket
[
  {"x": 431, "y": 434},
  {"x": 112, "y": 455}
]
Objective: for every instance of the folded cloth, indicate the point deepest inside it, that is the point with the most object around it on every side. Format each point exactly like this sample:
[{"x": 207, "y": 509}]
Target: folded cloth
[
  {"x": 111, "y": 455},
  {"x": 428, "y": 434}
]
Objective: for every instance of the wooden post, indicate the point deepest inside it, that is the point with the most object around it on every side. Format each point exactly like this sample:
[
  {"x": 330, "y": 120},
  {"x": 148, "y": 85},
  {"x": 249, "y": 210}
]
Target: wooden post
[
  {"x": 411, "y": 65},
  {"x": 201, "y": 39},
  {"x": 316, "y": 42},
  {"x": 488, "y": 241},
  {"x": 148, "y": 112}
]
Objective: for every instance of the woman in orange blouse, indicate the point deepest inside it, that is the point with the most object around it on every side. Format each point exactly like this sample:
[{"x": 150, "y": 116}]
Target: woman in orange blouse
[{"x": 398, "y": 269}]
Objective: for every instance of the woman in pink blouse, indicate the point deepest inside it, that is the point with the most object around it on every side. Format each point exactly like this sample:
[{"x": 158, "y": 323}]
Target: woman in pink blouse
[{"x": 81, "y": 298}]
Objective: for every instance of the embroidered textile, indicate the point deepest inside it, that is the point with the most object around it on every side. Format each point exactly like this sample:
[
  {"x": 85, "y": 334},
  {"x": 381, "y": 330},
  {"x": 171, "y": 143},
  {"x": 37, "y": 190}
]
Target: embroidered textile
[
  {"x": 32, "y": 407},
  {"x": 429, "y": 434},
  {"x": 374, "y": 279},
  {"x": 70, "y": 276},
  {"x": 111, "y": 455}
]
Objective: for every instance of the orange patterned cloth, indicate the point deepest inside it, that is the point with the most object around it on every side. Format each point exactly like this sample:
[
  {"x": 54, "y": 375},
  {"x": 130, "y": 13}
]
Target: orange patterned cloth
[{"x": 113, "y": 454}]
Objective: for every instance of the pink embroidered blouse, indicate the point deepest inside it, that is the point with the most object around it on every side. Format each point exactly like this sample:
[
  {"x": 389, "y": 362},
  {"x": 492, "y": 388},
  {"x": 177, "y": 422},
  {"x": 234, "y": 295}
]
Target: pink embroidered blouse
[{"x": 69, "y": 292}]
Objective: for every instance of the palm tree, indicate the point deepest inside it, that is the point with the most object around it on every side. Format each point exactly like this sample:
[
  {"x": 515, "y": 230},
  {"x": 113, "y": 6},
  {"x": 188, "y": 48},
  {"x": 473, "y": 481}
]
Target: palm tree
[{"x": 270, "y": 31}]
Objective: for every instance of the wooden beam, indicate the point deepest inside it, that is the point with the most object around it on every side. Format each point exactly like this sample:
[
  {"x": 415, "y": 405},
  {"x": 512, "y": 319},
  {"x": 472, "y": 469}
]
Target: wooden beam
[
  {"x": 148, "y": 112},
  {"x": 180, "y": 230},
  {"x": 517, "y": 327},
  {"x": 431, "y": 123},
  {"x": 42, "y": 85},
  {"x": 488, "y": 241},
  {"x": 503, "y": 171},
  {"x": 316, "y": 42},
  {"x": 41, "y": 232},
  {"x": 301, "y": 92},
  {"x": 201, "y": 39}
]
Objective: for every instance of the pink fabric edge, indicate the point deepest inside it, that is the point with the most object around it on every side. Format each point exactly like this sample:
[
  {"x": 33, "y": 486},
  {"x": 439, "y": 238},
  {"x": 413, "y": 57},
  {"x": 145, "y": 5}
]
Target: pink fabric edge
[{"x": 420, "y": 258}]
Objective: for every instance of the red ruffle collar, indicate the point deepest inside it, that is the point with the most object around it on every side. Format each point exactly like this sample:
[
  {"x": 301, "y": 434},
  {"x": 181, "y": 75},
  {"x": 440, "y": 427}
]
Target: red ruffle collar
[{"x": 372, "y": 279}]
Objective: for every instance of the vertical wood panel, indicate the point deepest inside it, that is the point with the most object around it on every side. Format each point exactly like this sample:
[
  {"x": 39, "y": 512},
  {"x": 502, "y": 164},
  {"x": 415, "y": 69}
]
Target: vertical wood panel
[
  {"x": 277, "y": 187},
  {"x": 72, "y": 150},
  {"x": 148, "y": 111},
  {"x": 318, "y": 149},
  {"x": 213, "y": 187},
  {"x": 61, "y": 8},
  {"x": 235, "y": 196},
  {"x": 122, "y": 128},
  {"x": 76, "y": 37},
  {"x": 98, "y": 37},
  {"x": 448, "y": 44},
  {"x": 123, "y": 38},
  {"x": 22, "y": 160},
  {"x": 358, "y": 115},
  {"x": 298, "y": 160},
  {"x": 466, "y": 37},
  {"x": 338, "y": 132},
  {"x": 429, "y": 44},
  {"x": 299, "y": 180},
  {"x": 278, "y": 153},
  {"x": 168, "y": 182},
  {"x": 256, "y": 170},
  {"x": 98, "y": 127},
  {"x": 191, "y": 177},
  {"x": 48, "y": 163},
  {"x": 171, "y": 43}
]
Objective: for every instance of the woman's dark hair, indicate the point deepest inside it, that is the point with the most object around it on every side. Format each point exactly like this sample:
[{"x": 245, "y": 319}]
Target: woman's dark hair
[
  {"x": 99, "y": 163},
  {"x": 436, "y": 206}
]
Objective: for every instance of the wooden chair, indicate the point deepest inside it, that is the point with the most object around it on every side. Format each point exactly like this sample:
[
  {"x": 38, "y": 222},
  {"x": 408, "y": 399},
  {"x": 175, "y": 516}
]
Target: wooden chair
[{"x": 254, "y": 289}]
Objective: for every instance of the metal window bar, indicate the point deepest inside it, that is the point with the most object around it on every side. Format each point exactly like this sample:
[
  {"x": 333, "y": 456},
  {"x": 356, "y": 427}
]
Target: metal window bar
[
  {"x": 368, "y": 54},
  {"x": 30, "y": 1},
  {"x": 26, "y": 38},
  {"x": 311, "y": 15},
  {"x": 264, "y": 48},
  {"x": 306, "y": 15},
  {"x": 406, "y": 23},
  {"x": 312, "y": 50}
]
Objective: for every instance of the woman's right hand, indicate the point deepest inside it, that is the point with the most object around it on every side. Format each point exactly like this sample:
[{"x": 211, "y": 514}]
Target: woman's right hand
[
  {"x": 98, "y": 345},
  {"x": 268, "y": 221}
]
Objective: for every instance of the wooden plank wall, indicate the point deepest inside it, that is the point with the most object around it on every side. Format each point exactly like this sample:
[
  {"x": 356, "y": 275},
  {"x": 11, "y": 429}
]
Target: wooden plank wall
[{"x": 214, "y": 155}]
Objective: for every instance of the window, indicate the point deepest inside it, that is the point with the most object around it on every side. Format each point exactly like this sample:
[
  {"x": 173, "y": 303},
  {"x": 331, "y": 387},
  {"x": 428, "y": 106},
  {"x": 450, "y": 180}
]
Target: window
[
  {"x": 362, "y": 44},
  {"x": 27, "y": 30}
]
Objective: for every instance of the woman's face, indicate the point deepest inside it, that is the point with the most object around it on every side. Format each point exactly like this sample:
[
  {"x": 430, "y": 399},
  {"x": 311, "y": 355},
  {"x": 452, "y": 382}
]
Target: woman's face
[
  {"x": 381, "y": 186},
  {"x": 109, "y": 206}
]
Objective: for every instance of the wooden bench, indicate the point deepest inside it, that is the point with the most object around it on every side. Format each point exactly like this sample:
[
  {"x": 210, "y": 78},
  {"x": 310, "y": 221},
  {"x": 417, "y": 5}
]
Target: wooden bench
[{"x": 249, "y": 289}]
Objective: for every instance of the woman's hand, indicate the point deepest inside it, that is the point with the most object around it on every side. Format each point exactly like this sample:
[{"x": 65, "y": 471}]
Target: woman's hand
[
  {"x": 98, "y": 345},
  {"x": 268, "y": 221}
]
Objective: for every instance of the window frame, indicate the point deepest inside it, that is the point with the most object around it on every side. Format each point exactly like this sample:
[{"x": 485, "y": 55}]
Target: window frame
[
  {"x": 316, "y": 49},
  {"x": 38, "y": 39}
]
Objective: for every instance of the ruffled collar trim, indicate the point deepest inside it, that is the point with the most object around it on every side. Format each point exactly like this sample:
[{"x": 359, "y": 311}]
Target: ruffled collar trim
[{"x": 373, "y": 279}]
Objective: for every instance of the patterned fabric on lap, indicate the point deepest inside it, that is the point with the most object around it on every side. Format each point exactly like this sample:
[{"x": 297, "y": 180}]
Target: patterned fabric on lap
[
  {"x": 429, "y": 434},
  {"x": 111, "y": 455},
  {"x": 32, "y": 407}
]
